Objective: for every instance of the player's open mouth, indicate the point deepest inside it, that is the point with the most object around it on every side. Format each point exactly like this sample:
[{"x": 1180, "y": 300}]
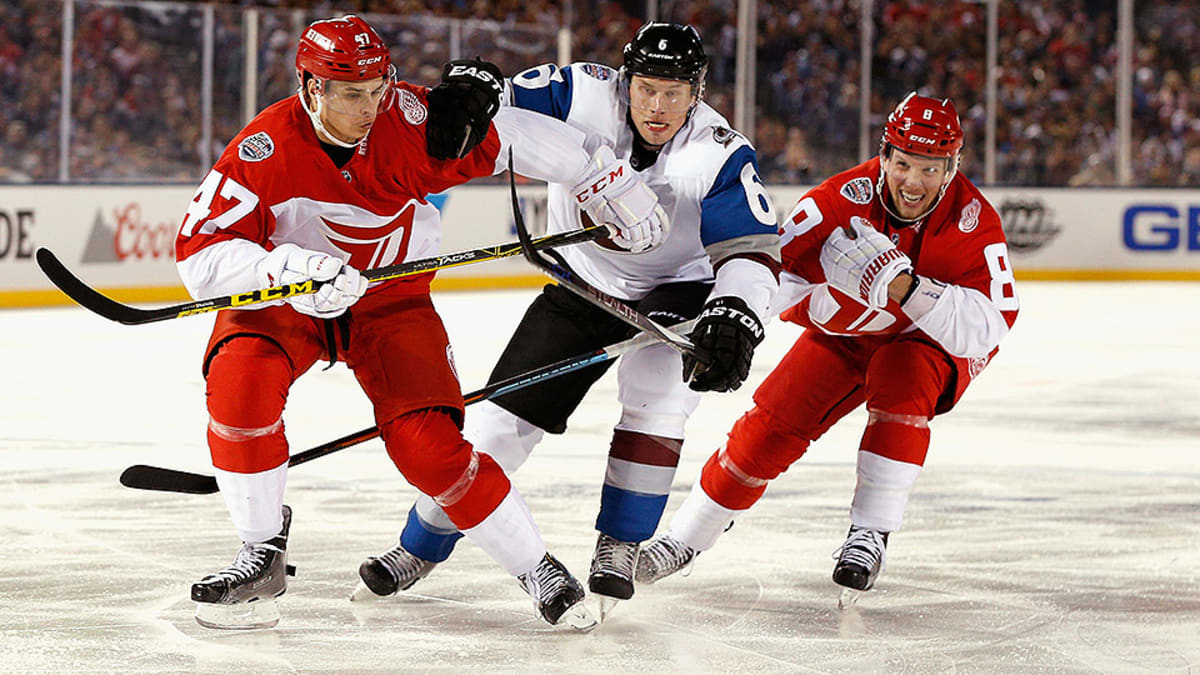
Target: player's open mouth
[
  {"x": 909, "y": 198},
  {"x": 657, "y": 127}
]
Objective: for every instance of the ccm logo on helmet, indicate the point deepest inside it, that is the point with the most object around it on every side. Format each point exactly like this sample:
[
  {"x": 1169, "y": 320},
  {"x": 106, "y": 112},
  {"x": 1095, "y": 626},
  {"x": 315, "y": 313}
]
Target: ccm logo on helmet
[
  {"x": 598, "y": 186},
  {"x": 367, "y": 62},
  {"x": 921, "y": 139}
]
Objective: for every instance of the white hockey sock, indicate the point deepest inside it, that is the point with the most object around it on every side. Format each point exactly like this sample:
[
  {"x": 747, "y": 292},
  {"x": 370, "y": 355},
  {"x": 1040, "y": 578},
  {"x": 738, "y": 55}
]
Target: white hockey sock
[
  {"x": 881, "y": 494},
  {"x": 508, "y": 439},
  {"x": 700, "y": 520},
  {"x": 510, "y": 536},
  {"x": 255, "y": 501}
]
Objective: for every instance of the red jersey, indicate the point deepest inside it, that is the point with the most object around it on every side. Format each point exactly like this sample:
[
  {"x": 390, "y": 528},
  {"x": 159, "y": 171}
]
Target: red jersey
[
  {"x": 275, "y": 183},
  {"x": 960, "y": 243}
]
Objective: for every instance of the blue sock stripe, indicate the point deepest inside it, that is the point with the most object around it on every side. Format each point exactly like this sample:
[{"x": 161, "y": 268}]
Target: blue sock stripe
[
  {"x": 421, "y": 541},
  {"x": 627, "y": 515}
]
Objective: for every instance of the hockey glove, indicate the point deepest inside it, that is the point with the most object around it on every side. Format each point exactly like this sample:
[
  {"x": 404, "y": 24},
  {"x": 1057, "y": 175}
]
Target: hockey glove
[
  {"x": 862, "y": 265},
  {"x": 614, "y": 195},
  {"x": 728, "y": 331},
  {"x": 290, "y": 264},
  {"x": 461, "y": 107}
]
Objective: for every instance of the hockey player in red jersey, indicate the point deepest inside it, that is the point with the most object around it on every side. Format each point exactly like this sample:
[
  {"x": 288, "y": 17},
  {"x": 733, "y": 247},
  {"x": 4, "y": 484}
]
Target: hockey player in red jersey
[
  {"x": 319, "y": 186},
  {"x": 899, "y": 272}
]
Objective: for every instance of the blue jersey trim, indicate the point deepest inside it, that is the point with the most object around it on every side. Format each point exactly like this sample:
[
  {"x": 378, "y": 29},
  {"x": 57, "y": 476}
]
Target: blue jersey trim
[
  {"x": 552, "y": 98},
  {"x": 725, "y": 211}
]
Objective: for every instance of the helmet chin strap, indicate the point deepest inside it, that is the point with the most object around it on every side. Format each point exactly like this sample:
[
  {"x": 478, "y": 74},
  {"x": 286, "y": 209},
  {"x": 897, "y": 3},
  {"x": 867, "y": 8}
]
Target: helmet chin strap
[{"x": 315, "y": 117}]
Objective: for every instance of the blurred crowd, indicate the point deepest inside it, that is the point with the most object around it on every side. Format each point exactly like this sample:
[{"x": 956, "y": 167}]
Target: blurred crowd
[{"x": 136, "y": 86}]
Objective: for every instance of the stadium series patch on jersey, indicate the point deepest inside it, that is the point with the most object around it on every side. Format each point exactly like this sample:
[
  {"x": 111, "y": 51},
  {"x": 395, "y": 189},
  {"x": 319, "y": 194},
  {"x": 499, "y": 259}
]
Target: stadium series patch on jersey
[
  {"x": 597, "y": 71},
  {"x": 858, "y": 190},
  {"x": 256, "y": 148}
]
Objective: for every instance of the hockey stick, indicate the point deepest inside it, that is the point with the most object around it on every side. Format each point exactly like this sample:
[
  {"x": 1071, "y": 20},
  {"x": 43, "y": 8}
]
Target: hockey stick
[
  {"x": 145, "y": 477},
  {"x": 110, "y": 309},
  {"x": 557, "y": 270}
]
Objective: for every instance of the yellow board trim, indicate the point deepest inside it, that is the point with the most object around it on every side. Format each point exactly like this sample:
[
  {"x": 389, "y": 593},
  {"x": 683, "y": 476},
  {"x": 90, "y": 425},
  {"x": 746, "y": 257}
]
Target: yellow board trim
[{"x": 176, "y": 294}]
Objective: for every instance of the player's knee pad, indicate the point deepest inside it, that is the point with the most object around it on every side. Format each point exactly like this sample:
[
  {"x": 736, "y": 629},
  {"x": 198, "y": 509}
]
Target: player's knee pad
[
  {"x": 246, "y": 389},
  {"x": 653, "y": 396},
  {"x": 882, "y": 491},
  {"x": 903, "y": 438},
  {"x": 427, "y": 447},
  {"x": 501, "y": 434},
  {"x": 758, "y": 449}
]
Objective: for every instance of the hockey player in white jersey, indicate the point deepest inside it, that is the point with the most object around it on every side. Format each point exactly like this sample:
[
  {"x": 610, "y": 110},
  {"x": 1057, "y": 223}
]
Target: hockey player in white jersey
[{"x": 718, "y": 259}]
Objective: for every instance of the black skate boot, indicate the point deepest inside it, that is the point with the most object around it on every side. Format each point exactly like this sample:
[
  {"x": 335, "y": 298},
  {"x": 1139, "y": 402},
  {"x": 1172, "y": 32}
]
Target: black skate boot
[
  {"x": 557, "y": 596},
  {"x": 611, "y": 575},
  {"x": 242, "y": 596},
  {"x": 663, "y": 557},
  {"x": 859, "y": 561},
  {"x": 394, "y": 571}
]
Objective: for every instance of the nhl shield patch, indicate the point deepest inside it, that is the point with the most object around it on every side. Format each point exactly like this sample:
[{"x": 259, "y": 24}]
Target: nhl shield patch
[
  {"x": 969, "y": 220},
  {"x": 858, "y": 190},
  {"x": 256, "y": 148}
]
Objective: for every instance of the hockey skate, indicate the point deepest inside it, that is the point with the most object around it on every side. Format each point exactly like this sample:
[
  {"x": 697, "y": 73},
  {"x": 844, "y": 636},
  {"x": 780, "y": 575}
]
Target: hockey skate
[
  {"x": 242, "y": 596},
  {"x": 394, "y": 571},
  {"x": 611, "y": 576},
  {"x": 557, "y": 596},
  {"x": 859, "y": 561},
  {"x": 663, "y": 557}
]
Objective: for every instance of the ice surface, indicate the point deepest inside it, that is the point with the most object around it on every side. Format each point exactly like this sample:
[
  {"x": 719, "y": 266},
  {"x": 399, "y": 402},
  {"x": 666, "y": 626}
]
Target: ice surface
[{"x": 1056, "y": 527}]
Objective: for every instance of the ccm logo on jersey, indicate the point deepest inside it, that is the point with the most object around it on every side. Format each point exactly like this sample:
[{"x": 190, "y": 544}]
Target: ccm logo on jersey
[{"x": 598, "y": 186}]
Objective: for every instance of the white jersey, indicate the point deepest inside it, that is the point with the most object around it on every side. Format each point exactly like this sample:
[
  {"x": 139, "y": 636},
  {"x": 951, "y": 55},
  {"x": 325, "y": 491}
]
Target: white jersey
[{"x": 706, "y": 179}]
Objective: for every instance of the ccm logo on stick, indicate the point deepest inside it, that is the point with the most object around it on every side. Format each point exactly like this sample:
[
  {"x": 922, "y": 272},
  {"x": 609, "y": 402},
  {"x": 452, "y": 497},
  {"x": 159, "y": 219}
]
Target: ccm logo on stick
[{"x": 1161, "y": 227}]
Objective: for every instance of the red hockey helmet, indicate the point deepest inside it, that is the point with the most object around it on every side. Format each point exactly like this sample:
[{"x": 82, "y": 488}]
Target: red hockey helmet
[
  {"x": 921, "y": 125},
  {"x": 342, "y": 49}
]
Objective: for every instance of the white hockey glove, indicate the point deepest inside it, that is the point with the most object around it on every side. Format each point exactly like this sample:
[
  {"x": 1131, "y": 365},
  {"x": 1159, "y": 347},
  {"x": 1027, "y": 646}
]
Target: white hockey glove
[
  {"x": 290, "y": 264},
  {"x": 614, "y": 195},
  {"x": 862, "y": 266}
]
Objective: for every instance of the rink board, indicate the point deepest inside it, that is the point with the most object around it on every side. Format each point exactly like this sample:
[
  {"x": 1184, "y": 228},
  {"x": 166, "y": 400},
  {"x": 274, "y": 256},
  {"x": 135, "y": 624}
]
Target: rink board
[{"x": 121, "y": 238}]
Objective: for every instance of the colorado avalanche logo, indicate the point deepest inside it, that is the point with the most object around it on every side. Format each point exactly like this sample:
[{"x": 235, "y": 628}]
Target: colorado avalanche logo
[
  {"x": 414, "y": 111},
  {"x": 256, "y": 148},
  {"x": 597, "y": 71},
  {"x": 858, "y": 190},
  {"x": 969, "y": 220}
]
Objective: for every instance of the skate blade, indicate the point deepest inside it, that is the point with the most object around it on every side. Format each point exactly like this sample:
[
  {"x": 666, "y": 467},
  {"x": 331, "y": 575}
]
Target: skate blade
[
  {"x": 363, "y": 594},
  {"x": 242, "y": 616},
  {"x": 848, "y": 597},
  {"x": 579, "y": 618},
  {"x": 607, "y": 605}
]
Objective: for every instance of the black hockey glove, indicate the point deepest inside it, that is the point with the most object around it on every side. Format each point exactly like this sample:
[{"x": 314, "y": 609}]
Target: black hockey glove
[
  {"x": 728, "y": 331},
  {"x": 461, "y": 107}
]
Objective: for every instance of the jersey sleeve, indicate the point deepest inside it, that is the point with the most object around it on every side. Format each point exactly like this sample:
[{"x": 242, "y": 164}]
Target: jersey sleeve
[
  {"x": 545, "y": 89},
  {"x": 805, "y": 230},
  {"x": 228, "y": 223},
  {"x": 736, "y": 215},
  {"x": 972, "y": 309}
]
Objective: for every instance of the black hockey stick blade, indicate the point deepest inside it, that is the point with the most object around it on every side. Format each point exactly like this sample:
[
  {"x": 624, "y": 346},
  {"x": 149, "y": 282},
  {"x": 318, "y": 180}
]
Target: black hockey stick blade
[
  {"x": 556, "y": 269},
  {"x": 145, "y": 477},
  {"x": 97, "y": 302}
]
